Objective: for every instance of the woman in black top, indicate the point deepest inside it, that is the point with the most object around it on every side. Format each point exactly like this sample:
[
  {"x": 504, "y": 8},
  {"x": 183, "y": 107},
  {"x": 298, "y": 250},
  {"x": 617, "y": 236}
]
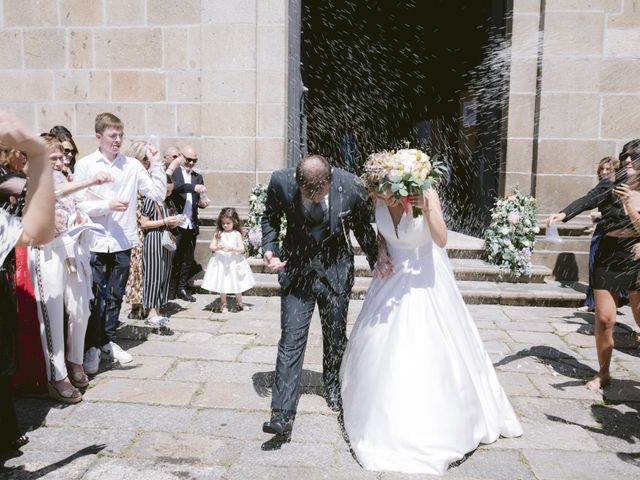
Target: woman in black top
[{"x": 615, "y": 267}]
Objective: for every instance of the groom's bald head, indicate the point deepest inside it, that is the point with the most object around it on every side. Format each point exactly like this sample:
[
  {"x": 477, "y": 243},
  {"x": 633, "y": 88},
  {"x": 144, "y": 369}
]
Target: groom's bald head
[{"x": 313, "y": 175}]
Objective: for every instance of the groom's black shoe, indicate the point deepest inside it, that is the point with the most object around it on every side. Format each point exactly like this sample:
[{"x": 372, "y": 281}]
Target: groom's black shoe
[
  {"x": 281, "y": 423},
  {"x": 333, "y": 400},
  {"x": 184, "y": 295}
]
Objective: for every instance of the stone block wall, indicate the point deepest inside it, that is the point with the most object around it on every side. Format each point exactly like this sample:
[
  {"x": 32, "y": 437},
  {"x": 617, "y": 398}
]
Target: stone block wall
[
  {"x": 207, "y": 72},
  {"x": 588, "y": 99}
]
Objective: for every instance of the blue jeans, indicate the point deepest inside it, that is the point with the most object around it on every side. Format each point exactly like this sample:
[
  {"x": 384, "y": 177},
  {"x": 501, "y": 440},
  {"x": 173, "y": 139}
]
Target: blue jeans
[{"x": 107, "y": 295}]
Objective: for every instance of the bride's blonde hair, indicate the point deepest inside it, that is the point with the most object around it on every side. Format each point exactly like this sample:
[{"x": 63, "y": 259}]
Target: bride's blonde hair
[{"x": 374, "y": 170}]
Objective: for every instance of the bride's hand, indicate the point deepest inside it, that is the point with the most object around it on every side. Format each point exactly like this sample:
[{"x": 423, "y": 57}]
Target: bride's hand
[
  {"x": 417, "y": 200},
  {"x": 383, "y": 267},
  {"x": 424, "y": 200}
]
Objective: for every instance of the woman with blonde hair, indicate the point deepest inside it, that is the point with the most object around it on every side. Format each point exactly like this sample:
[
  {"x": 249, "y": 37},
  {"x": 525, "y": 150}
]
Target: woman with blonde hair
[
  {"x": 133, "y": 290},
  {"x": 61, "y": 274}
]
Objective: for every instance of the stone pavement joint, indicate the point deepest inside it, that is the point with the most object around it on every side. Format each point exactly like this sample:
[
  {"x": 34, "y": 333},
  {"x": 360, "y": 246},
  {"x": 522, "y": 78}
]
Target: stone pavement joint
[{"x": 191, "y": 404}]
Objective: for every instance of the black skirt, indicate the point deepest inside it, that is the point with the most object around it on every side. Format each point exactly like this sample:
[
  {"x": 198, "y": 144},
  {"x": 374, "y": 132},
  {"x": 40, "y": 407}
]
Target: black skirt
[{"x": 614, "y": 267}]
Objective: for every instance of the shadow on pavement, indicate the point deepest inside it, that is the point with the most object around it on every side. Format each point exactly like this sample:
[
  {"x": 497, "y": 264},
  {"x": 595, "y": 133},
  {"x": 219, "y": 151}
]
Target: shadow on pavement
[
  {"x": 613, "y": 422},
  {"x": 19, "y": 472}
]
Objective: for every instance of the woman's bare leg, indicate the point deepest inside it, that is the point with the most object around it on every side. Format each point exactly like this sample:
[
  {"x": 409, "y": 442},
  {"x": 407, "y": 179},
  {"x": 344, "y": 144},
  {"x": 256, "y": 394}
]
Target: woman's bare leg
[
  {"x": 606, "y": 305},
  {"x": 634, "y": 303}
]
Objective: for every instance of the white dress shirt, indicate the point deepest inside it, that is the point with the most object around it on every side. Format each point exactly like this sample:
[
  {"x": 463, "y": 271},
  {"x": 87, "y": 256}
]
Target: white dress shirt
[
  {"x": 188, "y": 203},
  {"x": 130, "y": 178}
]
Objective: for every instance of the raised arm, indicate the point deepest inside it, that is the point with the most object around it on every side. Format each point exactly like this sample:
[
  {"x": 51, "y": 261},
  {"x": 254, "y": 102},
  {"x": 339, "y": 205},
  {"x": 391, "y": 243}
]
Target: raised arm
[
  {"x": 588, "y": 202},
  {"x": 429, "y": 202},
  {"x": 153, "y": 185},
  {"x": 624, "y": 193},
  {"x": 65, "y": 189},
  {"x": 38, "y": 214}
]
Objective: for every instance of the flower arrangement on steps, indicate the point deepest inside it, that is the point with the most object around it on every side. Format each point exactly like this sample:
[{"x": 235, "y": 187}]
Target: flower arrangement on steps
[
  {"x": 510, "y": 238},
  {"x": 253, "y": 239}
]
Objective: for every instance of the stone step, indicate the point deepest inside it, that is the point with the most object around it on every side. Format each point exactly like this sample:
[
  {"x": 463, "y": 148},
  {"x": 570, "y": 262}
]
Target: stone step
[
  {"x": 458, "y": 246},
  {"x": 565, "y": 266},
  {"x": 463, "y": 269},
  {"x": 549, "y": 294},
  {"x": 568, "y": 244},
  {"x": 570, "y": 229}
]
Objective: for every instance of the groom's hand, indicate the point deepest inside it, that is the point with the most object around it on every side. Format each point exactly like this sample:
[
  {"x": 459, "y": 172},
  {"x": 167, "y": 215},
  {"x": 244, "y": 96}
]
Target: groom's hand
[
  {"x": 383, "y": 268},
  {"x": 274, "y": 263}
]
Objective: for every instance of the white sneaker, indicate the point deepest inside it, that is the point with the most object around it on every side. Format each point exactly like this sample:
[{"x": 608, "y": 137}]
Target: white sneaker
[
  {"x": 113, "y": 351},
  {"x": 91, "y": 361}
]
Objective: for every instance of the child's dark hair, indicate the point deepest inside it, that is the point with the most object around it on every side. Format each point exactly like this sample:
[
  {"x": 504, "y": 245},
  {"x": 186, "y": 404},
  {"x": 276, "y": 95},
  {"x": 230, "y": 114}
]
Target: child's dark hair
[{"x": 231, "y": 213}]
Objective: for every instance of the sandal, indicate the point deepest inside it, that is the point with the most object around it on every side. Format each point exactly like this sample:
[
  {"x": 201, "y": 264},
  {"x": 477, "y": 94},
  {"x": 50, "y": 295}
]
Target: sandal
[
  {"x": 71, "y": 395},
  {"x": 223, "y": 308},
  {"x": 243, "y": 307},
  {"x": 586, "y": 308},
  {"x": 78, "y": 379}
]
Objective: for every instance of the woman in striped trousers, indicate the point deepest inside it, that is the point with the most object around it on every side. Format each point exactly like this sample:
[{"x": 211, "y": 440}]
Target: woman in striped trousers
[{"x": 155, "y": 219}]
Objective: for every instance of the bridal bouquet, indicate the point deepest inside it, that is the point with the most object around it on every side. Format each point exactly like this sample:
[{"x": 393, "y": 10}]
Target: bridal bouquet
[{"x": 404, "y": 172}]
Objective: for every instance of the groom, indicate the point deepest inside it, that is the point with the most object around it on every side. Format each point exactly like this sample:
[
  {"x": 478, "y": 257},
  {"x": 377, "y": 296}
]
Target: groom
[{"x": 315, "y": 265}]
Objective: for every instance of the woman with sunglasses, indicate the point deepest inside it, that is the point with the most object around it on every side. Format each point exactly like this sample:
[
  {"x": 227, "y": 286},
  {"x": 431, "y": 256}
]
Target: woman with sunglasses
[{"x": 615, "y": 267}]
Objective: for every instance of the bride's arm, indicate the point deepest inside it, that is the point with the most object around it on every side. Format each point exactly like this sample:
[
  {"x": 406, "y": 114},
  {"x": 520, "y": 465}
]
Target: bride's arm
[{"x": 432, "y": 213}]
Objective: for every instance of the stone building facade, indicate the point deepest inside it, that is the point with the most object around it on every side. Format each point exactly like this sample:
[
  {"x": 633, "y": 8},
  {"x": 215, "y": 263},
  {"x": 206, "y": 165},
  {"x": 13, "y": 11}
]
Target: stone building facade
[
  {"x": 207, "y": 72},
  {"x": 213, "y": 73},
  {"x": 574, "y": 93}
]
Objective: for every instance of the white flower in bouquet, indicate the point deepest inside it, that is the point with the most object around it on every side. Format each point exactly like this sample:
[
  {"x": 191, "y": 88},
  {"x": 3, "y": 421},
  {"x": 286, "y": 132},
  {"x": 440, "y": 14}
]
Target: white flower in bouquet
[
  {"x": 403, "y": 172},
  {"x": 255, "y": 236}
]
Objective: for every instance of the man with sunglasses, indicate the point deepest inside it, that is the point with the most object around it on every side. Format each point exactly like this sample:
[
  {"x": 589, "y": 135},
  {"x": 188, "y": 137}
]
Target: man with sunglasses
[{"x": 188, "y": 193}]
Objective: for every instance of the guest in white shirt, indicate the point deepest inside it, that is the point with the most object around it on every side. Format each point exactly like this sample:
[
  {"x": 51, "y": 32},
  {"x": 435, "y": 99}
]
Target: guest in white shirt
[{"x": 113, "y": 205}]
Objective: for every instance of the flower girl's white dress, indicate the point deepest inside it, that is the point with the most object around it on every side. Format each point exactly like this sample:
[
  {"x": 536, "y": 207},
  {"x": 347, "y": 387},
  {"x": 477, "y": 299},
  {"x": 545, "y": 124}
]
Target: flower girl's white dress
[
  {"x": 418, "y": 389},
  {"x": 228, "y": 272}
]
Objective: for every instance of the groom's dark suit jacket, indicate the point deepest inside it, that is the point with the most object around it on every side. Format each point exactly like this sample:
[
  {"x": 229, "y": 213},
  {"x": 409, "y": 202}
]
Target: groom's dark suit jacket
[{"x": 349, "y": 209}]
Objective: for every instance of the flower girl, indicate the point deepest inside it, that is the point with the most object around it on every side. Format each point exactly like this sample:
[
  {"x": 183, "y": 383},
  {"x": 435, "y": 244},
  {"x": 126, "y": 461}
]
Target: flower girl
[{"x": 228, "y": 270}]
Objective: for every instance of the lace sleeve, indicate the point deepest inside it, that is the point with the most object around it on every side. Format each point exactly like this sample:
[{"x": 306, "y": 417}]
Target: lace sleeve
[{"x": 10, "y": 231}]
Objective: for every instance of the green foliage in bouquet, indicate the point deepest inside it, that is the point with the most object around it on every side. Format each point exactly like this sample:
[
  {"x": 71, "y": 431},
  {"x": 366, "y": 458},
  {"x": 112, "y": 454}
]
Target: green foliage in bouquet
[{"x": 510, "y": 237}]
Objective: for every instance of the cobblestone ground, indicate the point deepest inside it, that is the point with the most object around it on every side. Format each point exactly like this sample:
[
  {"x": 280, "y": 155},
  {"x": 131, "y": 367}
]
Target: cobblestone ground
[{"x": 191, "y": 405}]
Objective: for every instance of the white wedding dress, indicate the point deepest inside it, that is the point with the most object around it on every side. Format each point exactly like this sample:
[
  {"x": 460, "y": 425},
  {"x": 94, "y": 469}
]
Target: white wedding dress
[{"x": 418, "y": 389}]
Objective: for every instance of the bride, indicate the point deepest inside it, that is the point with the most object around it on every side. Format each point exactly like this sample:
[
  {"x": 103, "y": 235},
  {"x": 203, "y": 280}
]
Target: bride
[{"x": 418, "y": 389}]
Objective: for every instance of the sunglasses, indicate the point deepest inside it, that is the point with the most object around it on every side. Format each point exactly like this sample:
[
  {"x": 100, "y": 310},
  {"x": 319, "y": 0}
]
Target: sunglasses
[
  {"x": 69, "y": 151},
  {"x": 190, "y": 160}
]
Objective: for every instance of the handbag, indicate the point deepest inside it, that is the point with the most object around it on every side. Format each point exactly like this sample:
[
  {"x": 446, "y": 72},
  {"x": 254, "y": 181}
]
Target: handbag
[{"x": 168, "y": 240}]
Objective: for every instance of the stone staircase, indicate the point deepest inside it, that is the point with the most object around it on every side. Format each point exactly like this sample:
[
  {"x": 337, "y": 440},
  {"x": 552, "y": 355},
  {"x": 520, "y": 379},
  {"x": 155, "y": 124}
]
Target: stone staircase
[
  {"x": 479, "y": 282},
  {"x": 568, "y": 260}
]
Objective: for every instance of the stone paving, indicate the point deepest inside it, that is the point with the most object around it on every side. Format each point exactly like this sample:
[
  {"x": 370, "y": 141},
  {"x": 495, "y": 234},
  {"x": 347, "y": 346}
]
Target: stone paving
[{"x": 191, "y": 405}]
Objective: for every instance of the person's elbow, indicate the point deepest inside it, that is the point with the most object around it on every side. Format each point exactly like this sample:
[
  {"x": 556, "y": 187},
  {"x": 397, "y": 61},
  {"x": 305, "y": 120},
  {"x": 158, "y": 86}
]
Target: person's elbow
[
  {"x": 441, "y": 239},
  {"x": 38, "y": 236}
]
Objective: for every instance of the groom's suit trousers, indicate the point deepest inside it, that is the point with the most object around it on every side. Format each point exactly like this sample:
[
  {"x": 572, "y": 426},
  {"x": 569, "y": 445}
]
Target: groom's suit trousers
[{"x": 297, "y": 305}]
